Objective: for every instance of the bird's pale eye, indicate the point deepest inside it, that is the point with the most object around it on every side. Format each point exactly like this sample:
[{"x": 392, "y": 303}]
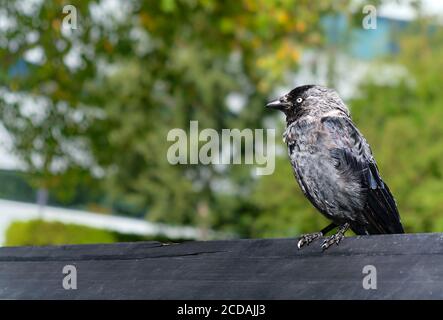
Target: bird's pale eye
[{"x": 299, "y": 100}]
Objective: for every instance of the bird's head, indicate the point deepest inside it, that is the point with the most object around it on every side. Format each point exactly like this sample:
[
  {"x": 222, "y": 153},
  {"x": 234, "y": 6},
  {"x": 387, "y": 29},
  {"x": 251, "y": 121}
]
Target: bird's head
[{"x": 309, "y": 100}]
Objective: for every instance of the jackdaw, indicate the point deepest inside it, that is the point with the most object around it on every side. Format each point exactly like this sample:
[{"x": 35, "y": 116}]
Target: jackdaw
[{"x": 334, "y": 166}]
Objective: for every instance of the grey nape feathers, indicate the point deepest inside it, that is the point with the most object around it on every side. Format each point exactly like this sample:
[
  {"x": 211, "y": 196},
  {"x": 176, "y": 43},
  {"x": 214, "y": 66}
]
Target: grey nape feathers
[{"x": 334, "y": 166}]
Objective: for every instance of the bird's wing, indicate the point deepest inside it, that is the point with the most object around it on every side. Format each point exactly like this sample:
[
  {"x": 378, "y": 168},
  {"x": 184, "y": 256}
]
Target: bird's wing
[{"x": 354, "y": 162}]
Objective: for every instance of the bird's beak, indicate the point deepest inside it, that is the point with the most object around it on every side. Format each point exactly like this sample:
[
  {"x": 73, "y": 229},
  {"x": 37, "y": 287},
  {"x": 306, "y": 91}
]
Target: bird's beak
[{"x": 277, "y": 104}]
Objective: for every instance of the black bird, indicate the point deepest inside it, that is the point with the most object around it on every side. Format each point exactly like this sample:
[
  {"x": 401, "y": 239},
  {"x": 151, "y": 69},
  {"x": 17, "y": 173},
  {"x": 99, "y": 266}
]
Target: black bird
[{"x": 334, "y": 166}]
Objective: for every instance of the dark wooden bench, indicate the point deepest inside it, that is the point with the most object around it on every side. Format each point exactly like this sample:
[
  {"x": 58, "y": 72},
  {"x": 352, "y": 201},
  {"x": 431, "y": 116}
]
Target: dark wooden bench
[{"x": 407, "y": 266}]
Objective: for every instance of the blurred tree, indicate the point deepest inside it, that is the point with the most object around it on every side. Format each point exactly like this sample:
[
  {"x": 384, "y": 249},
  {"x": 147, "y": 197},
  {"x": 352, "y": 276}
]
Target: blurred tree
[{"x": 103, "y": 97}]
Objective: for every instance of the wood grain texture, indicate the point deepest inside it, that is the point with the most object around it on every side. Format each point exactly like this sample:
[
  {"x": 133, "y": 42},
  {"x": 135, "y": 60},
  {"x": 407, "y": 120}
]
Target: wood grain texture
[{"x": 408, "y": 267}]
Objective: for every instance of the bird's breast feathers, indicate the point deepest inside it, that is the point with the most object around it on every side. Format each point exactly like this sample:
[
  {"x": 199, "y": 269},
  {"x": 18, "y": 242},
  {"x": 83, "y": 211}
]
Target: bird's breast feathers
[{"x": 309, "y": 148}]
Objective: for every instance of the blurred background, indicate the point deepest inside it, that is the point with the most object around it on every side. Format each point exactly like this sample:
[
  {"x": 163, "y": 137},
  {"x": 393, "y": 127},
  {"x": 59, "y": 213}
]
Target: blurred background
[{"x": 85, "y": 111}]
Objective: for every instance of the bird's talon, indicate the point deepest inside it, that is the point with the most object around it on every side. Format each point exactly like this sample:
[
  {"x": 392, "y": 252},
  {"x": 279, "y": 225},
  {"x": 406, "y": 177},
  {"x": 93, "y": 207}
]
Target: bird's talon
[
  {"x": 306, "y": 239},
  {"x": 336, "y": 238}
]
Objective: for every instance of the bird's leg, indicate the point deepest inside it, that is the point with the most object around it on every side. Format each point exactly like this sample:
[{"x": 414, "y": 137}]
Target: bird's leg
[
  {"x": 336, "y": 238},
  {"x": 306, "y": 239}
]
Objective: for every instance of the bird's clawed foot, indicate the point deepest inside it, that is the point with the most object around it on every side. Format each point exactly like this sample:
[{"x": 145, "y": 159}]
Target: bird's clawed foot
[
  {"x": 306, "y": 239},
  {"x": 336, "y": 238}
]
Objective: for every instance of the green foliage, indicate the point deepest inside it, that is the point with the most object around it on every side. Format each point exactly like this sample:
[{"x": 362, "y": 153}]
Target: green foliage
[
  {"x": 39, "y": 233},
  {"x": 14, "y": 186},
  {"x": 152, "y": 67}
]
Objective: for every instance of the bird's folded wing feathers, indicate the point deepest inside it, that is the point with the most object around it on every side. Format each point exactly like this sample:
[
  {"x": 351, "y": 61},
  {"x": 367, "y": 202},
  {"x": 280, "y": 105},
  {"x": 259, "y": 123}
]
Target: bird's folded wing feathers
[{"x": 354, "y": 161}]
